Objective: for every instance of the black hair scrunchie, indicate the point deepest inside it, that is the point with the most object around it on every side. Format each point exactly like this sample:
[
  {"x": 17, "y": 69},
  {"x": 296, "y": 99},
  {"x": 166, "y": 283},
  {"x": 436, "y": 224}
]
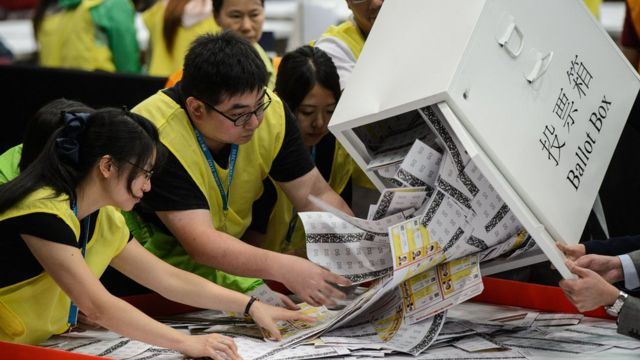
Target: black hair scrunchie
[{"x": 67, "y": 145}]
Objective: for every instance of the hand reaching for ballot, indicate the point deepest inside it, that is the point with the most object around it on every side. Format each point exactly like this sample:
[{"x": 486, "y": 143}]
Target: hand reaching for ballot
[
  {"x": 266, "y": 316},
  {"x": 312, "y": 283},
  {"x": 211, "y": 346}
]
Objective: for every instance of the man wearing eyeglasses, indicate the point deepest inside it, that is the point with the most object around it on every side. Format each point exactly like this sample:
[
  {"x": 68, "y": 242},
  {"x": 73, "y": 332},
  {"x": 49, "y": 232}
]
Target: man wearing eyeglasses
[
  {"x": 225, "y": 132},
  {"x": 345, "y": 41}
]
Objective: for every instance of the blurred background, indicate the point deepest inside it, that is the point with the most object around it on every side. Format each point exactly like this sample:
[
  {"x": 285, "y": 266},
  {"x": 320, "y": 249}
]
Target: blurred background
[{"x": 288, "y": 23}]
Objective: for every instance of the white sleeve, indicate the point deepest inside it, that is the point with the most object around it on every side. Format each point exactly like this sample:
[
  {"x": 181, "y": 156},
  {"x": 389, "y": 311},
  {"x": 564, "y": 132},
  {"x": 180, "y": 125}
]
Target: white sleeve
[
  {"x": 341, "y": 55},
  {"x": 631, "y": 279}
]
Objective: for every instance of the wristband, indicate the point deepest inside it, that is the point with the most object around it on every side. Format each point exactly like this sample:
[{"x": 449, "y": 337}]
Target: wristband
[{"x": 248, "y": 307}]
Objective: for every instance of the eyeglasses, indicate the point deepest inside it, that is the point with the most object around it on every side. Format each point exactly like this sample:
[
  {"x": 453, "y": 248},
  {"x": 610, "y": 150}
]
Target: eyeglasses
[
  {"x": 147, "y": 173},
  {"x": 242, "y": 119}
]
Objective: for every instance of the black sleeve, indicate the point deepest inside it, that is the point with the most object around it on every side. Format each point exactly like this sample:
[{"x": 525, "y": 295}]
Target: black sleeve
[
  {"x": 173, "y": 189},
  {"x": 613, "y": 246},
  {"x": 262, "y": 208},
  {"x": 293, "y": 159},
  {"x": 45, "y": 226},
  {"x": 17, "y": 263}
]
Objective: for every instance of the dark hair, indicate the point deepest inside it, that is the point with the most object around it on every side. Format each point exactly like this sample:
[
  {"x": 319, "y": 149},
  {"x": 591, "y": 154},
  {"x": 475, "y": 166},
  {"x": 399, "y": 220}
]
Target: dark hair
[
  {"x": 172, "y": 21},
  {"x": 125, "y": 136},
  {"x": 218, "y": 4},
  {"x": 220, "y": 66},
  {"x": 300, "y": 70},
  {"x": 43, "y": 124}
]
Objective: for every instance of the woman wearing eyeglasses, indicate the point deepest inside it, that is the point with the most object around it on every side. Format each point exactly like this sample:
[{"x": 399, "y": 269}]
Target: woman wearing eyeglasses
[
  {"x": 61, "y": 228},
  {"x": 344, "y": 42}
]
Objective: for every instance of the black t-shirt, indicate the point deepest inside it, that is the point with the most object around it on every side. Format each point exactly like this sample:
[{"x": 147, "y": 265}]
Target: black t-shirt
[
  {"x": 17, "y": 263},
  {"x": 173, "y": 189},
  {"x": 263, "y": 207}
]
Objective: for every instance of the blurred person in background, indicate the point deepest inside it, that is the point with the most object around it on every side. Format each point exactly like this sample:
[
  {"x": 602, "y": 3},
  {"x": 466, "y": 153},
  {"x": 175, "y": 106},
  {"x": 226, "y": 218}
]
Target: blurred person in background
[
  {"x": 345, "y": 41},
  {"x": 173, "y": 25},
  {"x": 245, "y": 18},
  {"x": 87, "y": 35}
]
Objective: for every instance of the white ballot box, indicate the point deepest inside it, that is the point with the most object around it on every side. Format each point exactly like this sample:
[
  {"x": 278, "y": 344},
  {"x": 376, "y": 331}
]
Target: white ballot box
[{"x": 533, "y": 92}]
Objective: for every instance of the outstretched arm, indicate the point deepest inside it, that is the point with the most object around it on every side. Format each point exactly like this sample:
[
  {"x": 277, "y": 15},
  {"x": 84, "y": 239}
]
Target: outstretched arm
[
  {"x": 194, "y": 230},
  {"x": 312, "y": 183},
  {"x": 184, "y": 287},
  {"x": 68, "y": 269}
]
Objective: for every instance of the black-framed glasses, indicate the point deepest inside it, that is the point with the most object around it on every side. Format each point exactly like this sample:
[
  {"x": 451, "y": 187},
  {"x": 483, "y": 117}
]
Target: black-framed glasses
[
  {"x": 147, "y": 173},
  {"x": 242, "y": 119}
]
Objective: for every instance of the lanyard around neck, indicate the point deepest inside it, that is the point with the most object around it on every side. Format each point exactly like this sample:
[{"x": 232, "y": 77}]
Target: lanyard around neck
[
  {"x": 84, "y": 237},
  {"x": 232, "y": 164}
]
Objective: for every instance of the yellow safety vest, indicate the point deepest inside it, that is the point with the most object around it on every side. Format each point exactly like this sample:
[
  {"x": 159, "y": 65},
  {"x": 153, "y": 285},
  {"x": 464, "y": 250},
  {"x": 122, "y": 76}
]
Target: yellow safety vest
[
  {"x": 348, "y": 33},
  {"x": 177, "y": 76},
  {"x": 35, "y": 309},
  {"x": 252, "y": 166},
  {"x": 271, "y": 84},
  {"x": 68, "y": 39},
  {"x": 282, "y": 214},
  {"x": 163, "y": 63}
]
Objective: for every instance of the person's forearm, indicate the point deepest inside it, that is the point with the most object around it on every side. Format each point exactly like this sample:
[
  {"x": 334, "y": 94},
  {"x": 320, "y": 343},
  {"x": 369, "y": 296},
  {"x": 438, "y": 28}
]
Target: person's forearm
[
  {"x": 187, "y": 288},
  {"x": 332, "y": 198},
  {"x": 232, "y": 255},
  {"x": 119, "y": 316}
]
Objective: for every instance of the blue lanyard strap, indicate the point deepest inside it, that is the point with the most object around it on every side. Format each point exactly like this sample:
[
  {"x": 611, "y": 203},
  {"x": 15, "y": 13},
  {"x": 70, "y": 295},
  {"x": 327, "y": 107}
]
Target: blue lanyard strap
[
  {"x": 232, "y": 165},
  {"x": 84, "y": 237}
]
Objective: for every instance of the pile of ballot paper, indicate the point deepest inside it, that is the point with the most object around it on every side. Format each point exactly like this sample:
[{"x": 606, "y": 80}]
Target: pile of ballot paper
[
  {"x": 419, "y": 250},
  {"x": 471, "y": 331},
  {"x": 421, "y": 244}
]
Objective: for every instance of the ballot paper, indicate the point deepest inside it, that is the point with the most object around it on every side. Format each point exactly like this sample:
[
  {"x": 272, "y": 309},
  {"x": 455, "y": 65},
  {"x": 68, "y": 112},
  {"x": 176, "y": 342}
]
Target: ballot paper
[
  {"x": 477, "y": 343},
  {"x": 388, "y": 173},
  {"x": 266, "y": 295},
  {"x": 517, "y": 244},
  {"x": 471, "y": 331},
  {"x": 420, "y": 166},
  {"x": 492, "y": 221},
  {"x": 435, "y": 290},
  {"x": 341, "y": 247},
  {"x": 386, "y": 326},
  {"x": 534, "y": 339},
  {"x": 395, "y": 200}
]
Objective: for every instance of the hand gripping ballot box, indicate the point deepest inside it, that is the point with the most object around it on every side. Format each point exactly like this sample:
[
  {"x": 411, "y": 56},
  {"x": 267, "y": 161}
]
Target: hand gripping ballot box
[{"x": 533, "y": 92}]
